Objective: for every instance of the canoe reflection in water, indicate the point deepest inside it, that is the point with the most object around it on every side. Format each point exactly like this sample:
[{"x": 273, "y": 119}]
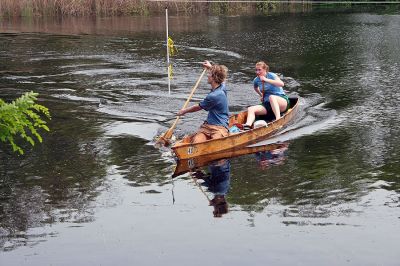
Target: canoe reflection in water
[
  {"x": 265, "y": 159},
  {"x": 218, "y": 179},
  {"x": 192, "y": 164},
  {"x": 217, "y": 182}
]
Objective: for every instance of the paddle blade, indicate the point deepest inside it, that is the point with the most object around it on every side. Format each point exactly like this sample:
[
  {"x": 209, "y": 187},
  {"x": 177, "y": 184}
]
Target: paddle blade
[
  {"x": 162, "y": 142},
  {"x": 165, "y": 139}
]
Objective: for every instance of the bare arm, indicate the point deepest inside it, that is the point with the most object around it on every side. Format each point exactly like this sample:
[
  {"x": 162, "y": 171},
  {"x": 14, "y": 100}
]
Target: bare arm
[
  {"x": 190, "y": 109},
  {"x": 276, "y": 82},
  {"x": 257, "y": 90}
]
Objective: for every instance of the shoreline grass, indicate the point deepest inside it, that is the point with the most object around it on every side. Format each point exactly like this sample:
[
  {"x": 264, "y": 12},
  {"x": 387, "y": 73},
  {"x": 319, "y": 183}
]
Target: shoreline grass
[
  {"x": 52, "y": 8},
  {"x": 82, "y": 8}
]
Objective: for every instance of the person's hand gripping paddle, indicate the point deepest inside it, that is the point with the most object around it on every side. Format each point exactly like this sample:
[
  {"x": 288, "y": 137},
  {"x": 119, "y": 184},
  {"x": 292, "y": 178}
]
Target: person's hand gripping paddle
[{"x": 165, "y": 138}]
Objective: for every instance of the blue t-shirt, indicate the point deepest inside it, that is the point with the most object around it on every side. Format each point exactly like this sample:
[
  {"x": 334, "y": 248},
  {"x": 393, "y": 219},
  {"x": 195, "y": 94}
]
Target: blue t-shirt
[
  {"x": 216, "y": 103},
  {"x": 220, "y": 178},
  {"x": 268, "y": 88}
]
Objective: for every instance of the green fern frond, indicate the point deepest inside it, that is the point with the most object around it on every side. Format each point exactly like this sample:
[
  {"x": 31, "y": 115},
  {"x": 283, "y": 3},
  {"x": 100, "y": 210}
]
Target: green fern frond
[{"x": 23, "y": 118}]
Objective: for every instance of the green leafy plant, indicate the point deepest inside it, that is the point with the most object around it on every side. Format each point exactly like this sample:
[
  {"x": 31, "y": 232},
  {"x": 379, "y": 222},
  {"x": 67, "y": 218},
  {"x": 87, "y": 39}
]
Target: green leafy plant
[{"x": 22, "y": 117}]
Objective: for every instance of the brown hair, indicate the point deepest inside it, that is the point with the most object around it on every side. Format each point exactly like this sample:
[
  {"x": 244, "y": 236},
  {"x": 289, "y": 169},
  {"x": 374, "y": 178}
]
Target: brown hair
[
  {"x": 219, "y": 73},
  {"x": 263, "y": 65}
]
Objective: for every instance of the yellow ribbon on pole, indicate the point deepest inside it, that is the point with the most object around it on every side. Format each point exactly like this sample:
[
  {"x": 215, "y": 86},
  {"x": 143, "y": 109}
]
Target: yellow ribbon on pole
[{"x": 172, "y": 50}]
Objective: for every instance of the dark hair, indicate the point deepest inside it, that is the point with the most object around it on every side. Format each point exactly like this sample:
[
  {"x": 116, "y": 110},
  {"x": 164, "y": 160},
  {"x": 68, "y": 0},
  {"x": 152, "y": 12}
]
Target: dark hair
[{"x": 219, "y": 73}]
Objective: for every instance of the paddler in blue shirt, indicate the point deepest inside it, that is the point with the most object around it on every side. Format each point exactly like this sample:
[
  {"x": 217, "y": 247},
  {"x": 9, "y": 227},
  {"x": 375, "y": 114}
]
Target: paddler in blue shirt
[{"x": 216, "y": 103}]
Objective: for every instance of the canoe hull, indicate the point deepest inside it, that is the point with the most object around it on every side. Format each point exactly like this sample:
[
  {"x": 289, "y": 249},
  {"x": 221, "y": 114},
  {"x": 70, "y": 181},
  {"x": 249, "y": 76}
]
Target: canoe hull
[{"x": 186, "y": 150}]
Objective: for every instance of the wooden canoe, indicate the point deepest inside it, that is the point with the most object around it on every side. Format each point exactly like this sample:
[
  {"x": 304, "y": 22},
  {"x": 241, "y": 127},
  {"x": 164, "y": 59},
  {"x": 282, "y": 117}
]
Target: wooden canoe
[
  {"x": 184, "y": 149},
  {"x": 188, "y": 165}
]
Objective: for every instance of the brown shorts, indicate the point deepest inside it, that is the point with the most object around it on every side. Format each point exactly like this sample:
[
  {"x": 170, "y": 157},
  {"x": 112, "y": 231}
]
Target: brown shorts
[{"x": 207, "y": 132}]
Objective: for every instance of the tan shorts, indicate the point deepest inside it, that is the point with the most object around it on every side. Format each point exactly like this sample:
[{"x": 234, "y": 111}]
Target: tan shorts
[{"x": 207, "y": 132}]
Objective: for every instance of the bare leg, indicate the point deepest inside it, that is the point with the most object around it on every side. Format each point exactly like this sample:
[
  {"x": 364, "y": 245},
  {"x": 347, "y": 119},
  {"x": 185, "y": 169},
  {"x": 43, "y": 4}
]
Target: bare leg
[
  {"x": 252, "y": 111},
  {"x": 278, "y": 105},
  {"x": 199, "y": 137}
]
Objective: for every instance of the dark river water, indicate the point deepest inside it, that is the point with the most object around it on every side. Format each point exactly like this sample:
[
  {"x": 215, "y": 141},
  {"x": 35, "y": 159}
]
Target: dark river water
[{"x": 97, "y": 191}]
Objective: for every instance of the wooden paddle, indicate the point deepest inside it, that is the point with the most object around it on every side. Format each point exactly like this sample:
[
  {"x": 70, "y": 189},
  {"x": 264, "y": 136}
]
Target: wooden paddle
[{"x": 164, "y": 139}]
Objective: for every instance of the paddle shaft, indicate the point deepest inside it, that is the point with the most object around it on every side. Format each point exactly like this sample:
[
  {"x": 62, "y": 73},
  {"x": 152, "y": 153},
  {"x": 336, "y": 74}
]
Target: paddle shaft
[{"x": 169, "y": 132}]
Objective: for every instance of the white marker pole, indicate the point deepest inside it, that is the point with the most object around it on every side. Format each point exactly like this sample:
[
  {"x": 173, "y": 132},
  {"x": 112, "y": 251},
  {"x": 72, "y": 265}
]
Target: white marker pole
[{"x": 169, "y": 77}]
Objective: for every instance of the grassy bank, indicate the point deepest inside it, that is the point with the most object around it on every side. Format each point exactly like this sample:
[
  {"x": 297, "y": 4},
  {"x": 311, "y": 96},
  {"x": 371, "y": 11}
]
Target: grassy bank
[
  {"x": 34, "y": 8},
  {"x": 55, "y": 8}
]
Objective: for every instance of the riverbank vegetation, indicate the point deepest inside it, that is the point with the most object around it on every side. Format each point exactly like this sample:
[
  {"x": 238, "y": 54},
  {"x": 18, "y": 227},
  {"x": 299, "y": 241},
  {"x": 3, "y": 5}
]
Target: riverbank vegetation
[
  {"x": 35, "y": 8},
  {"x": 12, "y": 8}
]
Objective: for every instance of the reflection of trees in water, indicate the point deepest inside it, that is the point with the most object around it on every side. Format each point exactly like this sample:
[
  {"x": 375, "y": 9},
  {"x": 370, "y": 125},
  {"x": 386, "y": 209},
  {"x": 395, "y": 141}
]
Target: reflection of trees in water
[
  {"x": 108, "y": 26},
  {"x": 55, "y": 182},
  {"x": 139, "y": 163},
  {"x": 21, "y": 208}
]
